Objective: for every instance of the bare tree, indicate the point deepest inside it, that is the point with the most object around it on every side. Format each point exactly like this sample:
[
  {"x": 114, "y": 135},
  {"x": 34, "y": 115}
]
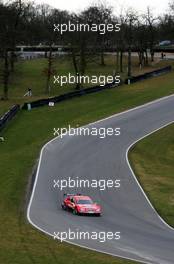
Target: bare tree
[
  {"x": 131, "y": 19},
  {"x": 49, "y": 70},
  {"x": 6, "y": 74},
  {"x": 18, "y": 7},
  {"x": 150, "y": 22}
]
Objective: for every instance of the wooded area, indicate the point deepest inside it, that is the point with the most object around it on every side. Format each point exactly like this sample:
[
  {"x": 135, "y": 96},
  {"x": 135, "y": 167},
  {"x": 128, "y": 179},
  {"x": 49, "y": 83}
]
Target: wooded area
[{"x": 25, "y": 23}]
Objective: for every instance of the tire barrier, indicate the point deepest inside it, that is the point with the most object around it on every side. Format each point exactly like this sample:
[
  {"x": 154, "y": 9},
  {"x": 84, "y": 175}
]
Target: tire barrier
[
  {"x": 8, "y": 116},
  {"x": 148, "y": 75}
]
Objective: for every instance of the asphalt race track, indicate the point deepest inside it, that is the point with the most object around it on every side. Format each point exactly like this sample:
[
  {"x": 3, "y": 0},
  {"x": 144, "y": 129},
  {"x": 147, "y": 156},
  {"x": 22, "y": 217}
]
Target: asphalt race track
[{"x": 145, "y": 237}]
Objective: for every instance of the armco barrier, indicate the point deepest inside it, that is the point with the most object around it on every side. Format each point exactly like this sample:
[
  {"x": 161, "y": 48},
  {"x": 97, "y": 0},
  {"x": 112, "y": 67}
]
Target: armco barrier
[
  {"x": 94, "y": 89},
  {"x": 8, "y": 116},
  {"x": 70, "y": 95},
  {"x": 148, "y": 75}
]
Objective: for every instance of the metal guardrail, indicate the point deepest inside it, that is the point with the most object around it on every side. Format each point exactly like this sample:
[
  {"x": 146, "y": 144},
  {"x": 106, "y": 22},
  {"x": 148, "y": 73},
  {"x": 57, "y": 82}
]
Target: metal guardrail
[
  {"x": 70, "y": 95},
  {"x": 14, "y": 109},
  {"x": 8, "y": 116},
  {"x": 94, "y": 89},
  {"x": 148, "y": 75}
]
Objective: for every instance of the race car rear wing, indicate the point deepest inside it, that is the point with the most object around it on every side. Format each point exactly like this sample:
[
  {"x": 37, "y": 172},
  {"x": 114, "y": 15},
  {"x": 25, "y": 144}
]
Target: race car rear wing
[{"x": 71, "y": 194}]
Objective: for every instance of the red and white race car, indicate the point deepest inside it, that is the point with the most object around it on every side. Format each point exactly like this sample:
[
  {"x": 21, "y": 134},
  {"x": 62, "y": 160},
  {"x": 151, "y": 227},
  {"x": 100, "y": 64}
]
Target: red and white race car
[{"x": 80, "y": 204}]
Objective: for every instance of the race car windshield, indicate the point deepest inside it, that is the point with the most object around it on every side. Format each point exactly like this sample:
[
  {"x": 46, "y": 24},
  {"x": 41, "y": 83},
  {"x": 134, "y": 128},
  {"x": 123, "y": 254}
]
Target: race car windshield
[{"x": 84, "y": 202}]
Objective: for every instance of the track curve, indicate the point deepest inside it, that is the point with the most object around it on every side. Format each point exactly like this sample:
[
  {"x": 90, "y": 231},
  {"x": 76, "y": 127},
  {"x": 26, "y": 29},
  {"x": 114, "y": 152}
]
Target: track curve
[{"x": 145, "y": 237}]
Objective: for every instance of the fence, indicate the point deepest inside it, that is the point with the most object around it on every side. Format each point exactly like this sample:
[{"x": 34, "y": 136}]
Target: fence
[
  {"x": 8, "y": 116},
  {"x": 70, "y": 95},
  {"x": 148, "y": 75},
  {"x": 94, "y": 89}
]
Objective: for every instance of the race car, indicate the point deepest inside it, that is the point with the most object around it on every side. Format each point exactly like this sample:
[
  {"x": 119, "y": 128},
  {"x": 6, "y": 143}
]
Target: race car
[{"x": 80, "y": 204}]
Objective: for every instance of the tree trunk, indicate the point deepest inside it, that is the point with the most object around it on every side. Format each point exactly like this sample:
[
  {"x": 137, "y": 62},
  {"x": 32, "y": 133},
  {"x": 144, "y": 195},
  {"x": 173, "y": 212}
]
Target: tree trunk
[
  {"x": 146, "y": 58},
  {"x": 82, "y": 61},
  {"x": 121, "y": 61},
  {"x": 75, "y": 67},
  {"x": 12, "y": 56},
  {"x": 102, "y": 53},
  {"x": 47, "y": 90},
  {"x": 129, "y": 73},
  {"x": 152, "y": 55},
  {"x": 117, "y": 61},
  {"x": 139, "y": 56},
  {"x": 14, "y": 36},
  {"x": 6, "y": 75}
]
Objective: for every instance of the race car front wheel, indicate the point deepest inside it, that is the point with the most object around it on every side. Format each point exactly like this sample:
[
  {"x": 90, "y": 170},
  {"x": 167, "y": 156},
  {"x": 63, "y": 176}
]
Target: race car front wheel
[
  {"x": 98, "y": 214},
  {"x": 64, "y": 207}
]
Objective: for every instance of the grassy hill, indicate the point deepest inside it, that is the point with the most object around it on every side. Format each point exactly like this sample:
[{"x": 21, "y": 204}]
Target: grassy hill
[{"x": 24, "y": 136}]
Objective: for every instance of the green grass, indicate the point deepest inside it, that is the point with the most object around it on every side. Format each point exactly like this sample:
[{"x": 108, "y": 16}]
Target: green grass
[
  {"x": 24, "y": 136},
  {"x": 152, "y": 160},
  {"x": 29, "y": 74}
]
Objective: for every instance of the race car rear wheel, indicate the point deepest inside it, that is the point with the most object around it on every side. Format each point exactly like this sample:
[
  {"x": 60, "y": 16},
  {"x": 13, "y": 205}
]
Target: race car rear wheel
[{"x": 75, "y": 212}]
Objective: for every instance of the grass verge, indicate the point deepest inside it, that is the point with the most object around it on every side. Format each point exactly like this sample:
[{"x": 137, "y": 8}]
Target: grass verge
[
  {"x": 24, "y": 136},
  {"x": 152, "y": 161}
]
